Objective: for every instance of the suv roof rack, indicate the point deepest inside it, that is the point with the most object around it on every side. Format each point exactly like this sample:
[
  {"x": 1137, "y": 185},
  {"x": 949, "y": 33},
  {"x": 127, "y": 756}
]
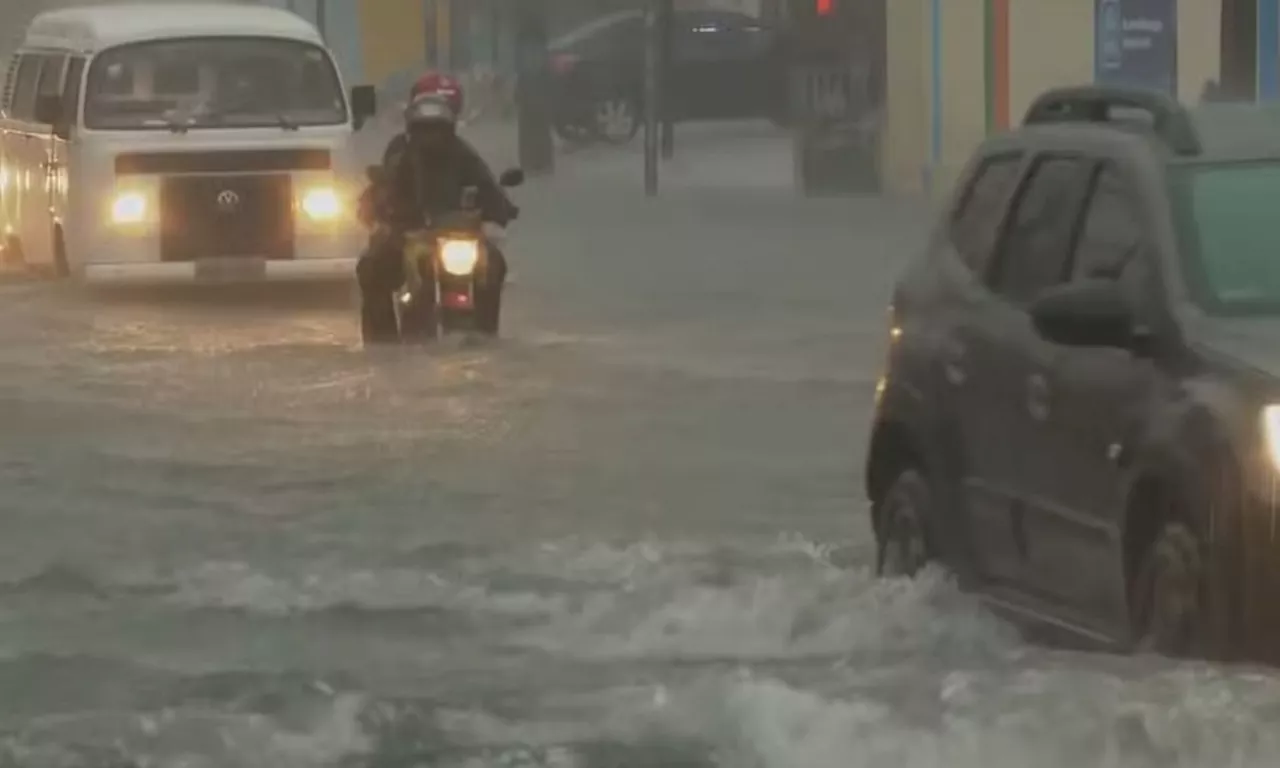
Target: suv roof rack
[{"x": 1170, "y": 121}]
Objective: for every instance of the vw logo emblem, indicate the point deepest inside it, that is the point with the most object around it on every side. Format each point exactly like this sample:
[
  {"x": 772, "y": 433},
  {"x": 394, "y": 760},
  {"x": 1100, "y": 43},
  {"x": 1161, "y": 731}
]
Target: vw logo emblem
[{"x": 228, "y": 201}]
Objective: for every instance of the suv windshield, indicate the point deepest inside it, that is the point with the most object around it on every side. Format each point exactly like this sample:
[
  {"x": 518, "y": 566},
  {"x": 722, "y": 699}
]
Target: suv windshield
[
  {"x": 213, "y": 82},
  {"x": 1229, "y": 217}
]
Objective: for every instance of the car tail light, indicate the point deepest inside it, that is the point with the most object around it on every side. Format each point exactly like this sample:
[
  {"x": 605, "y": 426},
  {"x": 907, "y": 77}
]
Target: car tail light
[{"x": 561, "y": 63}]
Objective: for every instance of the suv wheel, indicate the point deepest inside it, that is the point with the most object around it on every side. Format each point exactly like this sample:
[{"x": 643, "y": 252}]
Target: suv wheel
[
  {"x": 902, "y": 546},
  {"x": 617, "y": 119},
  {"x": 1166, "y": 593}
]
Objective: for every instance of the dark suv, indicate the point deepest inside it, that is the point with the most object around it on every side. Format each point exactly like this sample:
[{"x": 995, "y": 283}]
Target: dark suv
[
  {"x": 1080, "y": 412},
  {"x": 725, "y": 66}
]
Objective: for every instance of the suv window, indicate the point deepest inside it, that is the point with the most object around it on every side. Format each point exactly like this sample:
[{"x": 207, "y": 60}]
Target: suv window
[
  {"x": 976, "y": 221},
  {"x": 1033, "y": 254},
  {"x": 1112, "y": 231}
]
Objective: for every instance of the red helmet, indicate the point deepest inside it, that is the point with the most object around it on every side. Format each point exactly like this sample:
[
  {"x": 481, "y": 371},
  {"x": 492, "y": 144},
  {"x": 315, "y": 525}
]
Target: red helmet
[{"x": 441, "y": 85}]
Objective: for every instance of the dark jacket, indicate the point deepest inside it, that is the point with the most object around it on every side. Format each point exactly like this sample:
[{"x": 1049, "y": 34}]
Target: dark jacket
[{"x": 416, "y": 185}]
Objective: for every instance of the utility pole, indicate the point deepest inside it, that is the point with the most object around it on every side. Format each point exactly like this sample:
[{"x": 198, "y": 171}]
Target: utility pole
[
  {"x": 652, "y": 95},
  {"x": 667, "y": 24},
  {"x": 533, "y": 97}
]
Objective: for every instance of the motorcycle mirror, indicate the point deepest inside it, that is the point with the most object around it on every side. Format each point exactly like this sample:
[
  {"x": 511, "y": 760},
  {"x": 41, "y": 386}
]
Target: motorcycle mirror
[{"x": 512, "y": 177}]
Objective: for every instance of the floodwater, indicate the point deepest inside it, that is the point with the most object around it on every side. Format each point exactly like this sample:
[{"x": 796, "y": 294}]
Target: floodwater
[{"x": 628, "y": 534}]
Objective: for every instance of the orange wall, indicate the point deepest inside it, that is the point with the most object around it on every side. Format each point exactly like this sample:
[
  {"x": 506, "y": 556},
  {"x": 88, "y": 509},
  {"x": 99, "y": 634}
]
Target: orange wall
[{"x": 392, "y": 36}]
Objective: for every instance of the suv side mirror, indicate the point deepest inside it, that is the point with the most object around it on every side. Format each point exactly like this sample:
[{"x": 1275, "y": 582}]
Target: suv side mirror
[
  {"x": 1085, "y": 313},
  {"x": 364, "y": 104},
  {"x": 49, "y": 112},
  {"x": 512, "y": 177}
]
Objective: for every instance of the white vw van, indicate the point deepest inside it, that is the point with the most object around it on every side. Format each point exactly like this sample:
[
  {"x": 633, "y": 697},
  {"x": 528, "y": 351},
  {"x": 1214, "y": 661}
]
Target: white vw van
[{"x": 179, "y": 142}]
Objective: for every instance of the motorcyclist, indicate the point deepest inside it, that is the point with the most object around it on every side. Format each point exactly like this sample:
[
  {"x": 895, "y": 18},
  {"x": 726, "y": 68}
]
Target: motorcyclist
[{"x": 424, "y": 170}]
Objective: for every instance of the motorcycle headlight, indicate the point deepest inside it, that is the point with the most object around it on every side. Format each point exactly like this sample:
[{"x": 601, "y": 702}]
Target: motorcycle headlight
[
  {"x": 321, "y": 204},
  {"x": 459, "y": 257},
  {"x": 128, "y": 208}
]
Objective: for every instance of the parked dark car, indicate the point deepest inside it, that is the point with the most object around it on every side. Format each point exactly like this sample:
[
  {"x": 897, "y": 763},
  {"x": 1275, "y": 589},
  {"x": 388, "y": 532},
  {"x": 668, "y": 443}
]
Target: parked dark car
[
  {"x": 1080, "y": 413},
  {"x": 725, "y": 65}
]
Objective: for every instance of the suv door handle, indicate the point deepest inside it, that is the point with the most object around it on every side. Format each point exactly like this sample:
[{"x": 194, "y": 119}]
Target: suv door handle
[{"x": 1038, "y": 396}]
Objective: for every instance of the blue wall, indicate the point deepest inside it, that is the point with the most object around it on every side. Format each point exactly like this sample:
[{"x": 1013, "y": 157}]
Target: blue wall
[{"x": 1268, "y": 50}]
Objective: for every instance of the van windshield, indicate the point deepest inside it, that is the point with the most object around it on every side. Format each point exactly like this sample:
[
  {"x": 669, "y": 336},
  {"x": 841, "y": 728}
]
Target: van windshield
[{"x": 224, "y": 82}]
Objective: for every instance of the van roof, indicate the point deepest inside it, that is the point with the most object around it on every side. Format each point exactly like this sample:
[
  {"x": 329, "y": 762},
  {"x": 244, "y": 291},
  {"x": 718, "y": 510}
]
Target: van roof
[{"x": 93, "y": 28}]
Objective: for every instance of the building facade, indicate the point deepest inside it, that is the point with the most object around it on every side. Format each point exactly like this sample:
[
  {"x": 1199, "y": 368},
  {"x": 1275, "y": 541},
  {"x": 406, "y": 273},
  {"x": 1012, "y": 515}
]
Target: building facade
[{"x": 959, "y": 70}]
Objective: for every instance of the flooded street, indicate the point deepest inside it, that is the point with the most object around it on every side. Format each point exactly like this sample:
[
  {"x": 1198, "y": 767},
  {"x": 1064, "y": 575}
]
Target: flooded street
[{"x": 629, "y": 534}]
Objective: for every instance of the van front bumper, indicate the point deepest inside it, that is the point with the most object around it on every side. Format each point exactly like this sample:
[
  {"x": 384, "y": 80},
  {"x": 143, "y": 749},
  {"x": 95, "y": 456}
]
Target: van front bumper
[{"x": 187, "y": 272}]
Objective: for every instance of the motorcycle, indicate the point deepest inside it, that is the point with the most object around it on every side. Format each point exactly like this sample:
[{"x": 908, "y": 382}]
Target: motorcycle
[{"x": 446, "y": 268}]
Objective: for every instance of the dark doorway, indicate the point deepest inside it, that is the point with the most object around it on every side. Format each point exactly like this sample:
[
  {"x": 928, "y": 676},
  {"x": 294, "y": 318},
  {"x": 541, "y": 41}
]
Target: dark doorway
[
  {"x": 1239, "y": 50},
  {"x": 835, "y": 52}
]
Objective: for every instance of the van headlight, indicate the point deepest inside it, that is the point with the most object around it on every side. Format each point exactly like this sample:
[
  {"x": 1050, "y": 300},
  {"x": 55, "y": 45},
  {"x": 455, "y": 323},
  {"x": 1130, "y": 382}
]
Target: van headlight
[
  {"x": 459, "y": 257},
  {"x": 128, "y": 208},
  {"x": 321, "y": 204}
]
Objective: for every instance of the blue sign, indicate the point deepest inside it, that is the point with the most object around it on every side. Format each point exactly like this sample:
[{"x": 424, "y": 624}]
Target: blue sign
[{"x": 1136, "y": 43}]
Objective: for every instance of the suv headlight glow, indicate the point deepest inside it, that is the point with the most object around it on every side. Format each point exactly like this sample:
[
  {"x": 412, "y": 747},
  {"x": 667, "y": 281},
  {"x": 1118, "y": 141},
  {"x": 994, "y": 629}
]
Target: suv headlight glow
[
  {"x": 1271, "y": 433},
  {"x": 459, "y": 257},
  {"x": 321, "y": 204},
  {"x": 128, "y": 208}
]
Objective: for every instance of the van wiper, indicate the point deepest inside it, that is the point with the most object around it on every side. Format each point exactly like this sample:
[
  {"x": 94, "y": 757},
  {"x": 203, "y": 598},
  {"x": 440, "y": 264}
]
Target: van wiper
[
  {"x": 181, "y": 122},
  {"x": 179, "y": 125},
  {"x": 182, "y": 117}
]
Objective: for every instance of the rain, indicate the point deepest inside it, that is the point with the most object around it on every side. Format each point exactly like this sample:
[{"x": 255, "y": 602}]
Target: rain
[{"x": 631, "y": 532}]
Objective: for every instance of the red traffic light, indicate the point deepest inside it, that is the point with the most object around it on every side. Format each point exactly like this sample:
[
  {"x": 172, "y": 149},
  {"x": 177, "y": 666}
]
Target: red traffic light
[{"x": 824, "y": 7}]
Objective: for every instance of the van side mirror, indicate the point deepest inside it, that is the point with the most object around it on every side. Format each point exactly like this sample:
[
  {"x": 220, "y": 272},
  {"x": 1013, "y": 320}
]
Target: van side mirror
[
  {"x": 512, "y": 177},
  {"x": 364, "y": 104},
  {"x": 49, "y": 112},
  {"x": 1086, "y": 313}
]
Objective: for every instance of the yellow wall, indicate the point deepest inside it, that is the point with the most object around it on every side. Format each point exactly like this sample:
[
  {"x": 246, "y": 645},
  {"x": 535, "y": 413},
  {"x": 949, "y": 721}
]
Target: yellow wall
[
  {"x": 908, "y": 147},
  {"x": 1199, "y": 43},
  {"x": 1050, "y": 43},
  {"x": 964, "y": 117},
  {"x": 392, "y": 36},
  {"x": 906, "y": 130}
]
